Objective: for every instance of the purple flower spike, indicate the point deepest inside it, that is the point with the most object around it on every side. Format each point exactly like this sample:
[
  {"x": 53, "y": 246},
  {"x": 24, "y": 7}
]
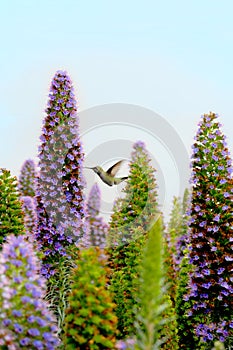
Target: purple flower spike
[
  {"x": 210, "y": 253},
  {"x": 20, "y": 317},
  {"x": 96, "y": 228},
  {"x": 28, "y": 179},
  {"x": 60, "y": 198}
]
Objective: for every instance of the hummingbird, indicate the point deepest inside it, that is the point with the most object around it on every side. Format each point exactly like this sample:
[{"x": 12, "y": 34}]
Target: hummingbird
[{"x": 108, "y": 177}]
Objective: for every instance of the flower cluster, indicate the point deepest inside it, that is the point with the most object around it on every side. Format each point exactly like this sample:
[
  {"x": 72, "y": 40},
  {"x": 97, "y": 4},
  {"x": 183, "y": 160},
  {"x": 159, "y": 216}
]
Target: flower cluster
[
  {"x": 213, "y": 331},
  {"x": 11, "y": 214},
  {"x": 25, "y": 319},
  {"x": 28, "y": 179},
  {"x": 60, "y": 205},
  {"x": 211, "y": 228}
]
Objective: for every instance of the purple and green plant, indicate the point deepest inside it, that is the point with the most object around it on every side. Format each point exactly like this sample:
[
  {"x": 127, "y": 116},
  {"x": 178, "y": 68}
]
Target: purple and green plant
[
  {"x": 27, "y": 183},
  {"x": 11, "y": 214},
  {"x": 25, "y": 320},
  {"x": 210, "y": 235},
  {"x": 60, "y": 198}
]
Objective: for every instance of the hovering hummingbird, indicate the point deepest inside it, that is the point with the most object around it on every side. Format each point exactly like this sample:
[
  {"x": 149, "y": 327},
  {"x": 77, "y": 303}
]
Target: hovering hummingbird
[{"x": 108, "y": 177}]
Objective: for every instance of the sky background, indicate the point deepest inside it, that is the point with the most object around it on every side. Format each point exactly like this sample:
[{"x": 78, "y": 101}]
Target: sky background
[{"x": 173, "y": 57}]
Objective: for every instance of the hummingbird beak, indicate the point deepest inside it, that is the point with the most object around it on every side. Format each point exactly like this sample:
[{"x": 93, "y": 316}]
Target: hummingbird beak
[{"x": 86, "y": 167}]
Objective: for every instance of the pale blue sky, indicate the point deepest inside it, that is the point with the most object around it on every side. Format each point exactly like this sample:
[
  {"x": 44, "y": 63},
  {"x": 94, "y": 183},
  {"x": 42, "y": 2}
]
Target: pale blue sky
[{"x": 174, "y": 57}]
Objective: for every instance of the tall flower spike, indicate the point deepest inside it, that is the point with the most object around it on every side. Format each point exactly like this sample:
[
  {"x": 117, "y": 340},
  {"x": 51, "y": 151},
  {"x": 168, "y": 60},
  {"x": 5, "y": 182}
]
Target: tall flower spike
[
  {"x": 130, "y": 222},
  {"x": 60, "y": 205},
  {"x": 211, "y": 229},
  {"x": 11, "y": 214},
  {"x": 24, "y": 319},
  {"x": 93, "y": 203},
  {"x": 96, "y": 228},
  {"x": 28, "y": 179},
  {"x": 30, "y": 218},
  {"x": 138, "y": 209}
]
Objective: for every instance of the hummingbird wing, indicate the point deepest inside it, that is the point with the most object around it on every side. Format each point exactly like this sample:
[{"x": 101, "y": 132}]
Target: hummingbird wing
[{"x": 114, "y": 168}]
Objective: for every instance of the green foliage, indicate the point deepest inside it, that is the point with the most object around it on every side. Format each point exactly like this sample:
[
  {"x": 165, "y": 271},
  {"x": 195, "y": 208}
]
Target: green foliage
[
  {"x": 124, "y": 262},
  {"x": 169, "y": 242},
  {"x": 169, "y": 330},
  {"x": 154, "y": 325},
  {"x": 11, "y": 215},
  {"x": 90, "y": 321},
  {"x": 132, "y": 217}
]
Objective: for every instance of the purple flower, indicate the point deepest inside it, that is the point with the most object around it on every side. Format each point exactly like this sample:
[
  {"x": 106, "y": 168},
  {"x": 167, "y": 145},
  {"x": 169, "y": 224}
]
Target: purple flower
[
  {"x": 16, "y": 313},
  {"x": 18, "y": 328},
  {"x": 38, "y": 345},
  {"x": 6, "y": 322},
  {"x": 24, "y": 341},
  {"x": 207, "y": 285},
  {"x": 215, "y": 158},
  {"x": 217, "y": 218},
  {"x": 202, "y": 224},
  {"x": 31, "y": 319},
  {"x": 223, "y": 181},
  {"x": 225, "y": 207},
  {"x": 34, "y": 332},
  {"x": 225, "y": 285}
]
